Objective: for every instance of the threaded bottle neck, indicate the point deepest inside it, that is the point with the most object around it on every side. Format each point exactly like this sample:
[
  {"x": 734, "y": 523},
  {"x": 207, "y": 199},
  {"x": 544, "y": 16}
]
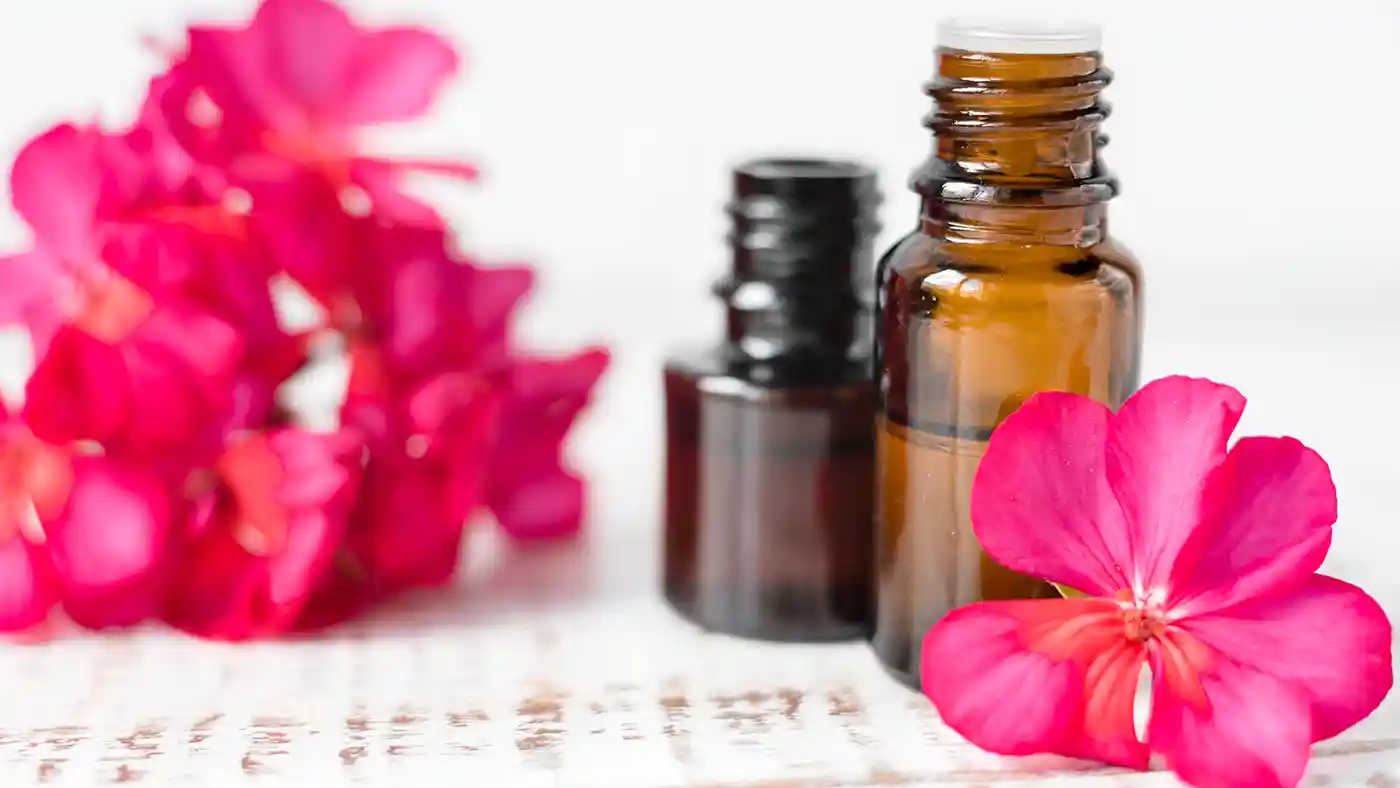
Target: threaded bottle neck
[
  {"x": 799, "y": 291},
  {"x": 1018, "y": 125}
]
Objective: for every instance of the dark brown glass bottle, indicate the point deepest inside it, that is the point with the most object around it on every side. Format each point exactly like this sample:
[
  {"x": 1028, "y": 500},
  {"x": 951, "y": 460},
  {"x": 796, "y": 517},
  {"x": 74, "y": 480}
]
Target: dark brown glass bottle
[
  {"x": 1011, "y": 285},
  {"x": 769, "y": 436}
]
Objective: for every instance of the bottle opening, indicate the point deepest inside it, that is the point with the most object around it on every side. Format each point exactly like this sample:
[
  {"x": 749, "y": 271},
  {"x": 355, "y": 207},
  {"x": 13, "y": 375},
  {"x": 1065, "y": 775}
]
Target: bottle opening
[{"x": 1019, "y": 36}]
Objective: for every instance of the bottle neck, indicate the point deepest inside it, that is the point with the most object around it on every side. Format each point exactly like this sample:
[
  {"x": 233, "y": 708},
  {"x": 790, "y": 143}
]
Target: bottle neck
[
  {"x": 1016, "y": 150},
  {"x": 801, "y": 325},
  {"x": 800, "y": 287}
]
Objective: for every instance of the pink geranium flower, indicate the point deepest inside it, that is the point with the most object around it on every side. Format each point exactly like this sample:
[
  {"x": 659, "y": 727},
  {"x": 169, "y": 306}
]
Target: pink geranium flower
[
  {"x": 133, "y": 205},
  {"x": 1196, "y": 561},
  {"x": 140, "y": 280},
  {"x": 88, "y": 532},
  {"x": 265, "y": 527},
  {"x": 137, "y": 378},
  {"x": 290, "y": 91}
]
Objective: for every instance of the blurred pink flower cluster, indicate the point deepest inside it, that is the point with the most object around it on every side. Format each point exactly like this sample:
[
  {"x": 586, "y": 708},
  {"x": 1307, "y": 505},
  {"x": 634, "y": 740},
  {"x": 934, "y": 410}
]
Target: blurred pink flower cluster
[{"x": 152, "y": 473}]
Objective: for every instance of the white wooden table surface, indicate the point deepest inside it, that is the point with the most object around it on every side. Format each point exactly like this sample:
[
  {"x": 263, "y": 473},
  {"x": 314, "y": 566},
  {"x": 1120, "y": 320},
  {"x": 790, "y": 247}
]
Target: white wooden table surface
[{"x": 562, "y": 667}]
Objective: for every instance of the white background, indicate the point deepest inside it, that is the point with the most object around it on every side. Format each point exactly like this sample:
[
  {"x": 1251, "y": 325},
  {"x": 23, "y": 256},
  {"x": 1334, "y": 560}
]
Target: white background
[{"x": 1258, "y": 144}]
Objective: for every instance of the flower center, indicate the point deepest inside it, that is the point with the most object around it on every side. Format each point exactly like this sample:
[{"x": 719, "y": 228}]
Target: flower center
[
  {"x": 225, "y": 219},
  {"x": 107, "y": 305},
  {"x": 1142, "y": 620},
  {"x": 252, "y": 474},
  {"x": 313, "y": 150},
  {"x": 34, "y": 482}
]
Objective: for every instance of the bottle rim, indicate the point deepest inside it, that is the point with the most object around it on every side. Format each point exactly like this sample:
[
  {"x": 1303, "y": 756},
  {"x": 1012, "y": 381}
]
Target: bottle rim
[{"x": 1019, "y": 36}]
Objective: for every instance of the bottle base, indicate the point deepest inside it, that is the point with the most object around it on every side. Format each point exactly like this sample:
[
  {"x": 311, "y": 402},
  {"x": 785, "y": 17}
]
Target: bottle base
[{"x": 766, "y": 627}]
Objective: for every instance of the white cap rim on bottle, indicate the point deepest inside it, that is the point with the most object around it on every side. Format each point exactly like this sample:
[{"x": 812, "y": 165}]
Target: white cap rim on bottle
[{"x": 1019, "y": 36}]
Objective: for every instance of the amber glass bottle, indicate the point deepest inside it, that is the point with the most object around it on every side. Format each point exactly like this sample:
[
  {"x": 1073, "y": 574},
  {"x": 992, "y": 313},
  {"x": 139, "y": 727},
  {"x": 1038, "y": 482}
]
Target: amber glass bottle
[
  {"x": 769, "y": 437},
  {"x": 1011, "y": 285}
]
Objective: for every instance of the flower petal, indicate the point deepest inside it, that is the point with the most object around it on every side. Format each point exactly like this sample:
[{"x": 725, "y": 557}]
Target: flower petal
[
  {"x": 528, "y": 488},
  {"x": 29, "y": 285},
  {"x": 1040, "y": 502},
  {"x": 312, "y": 474},
  {"x": 55, "y": 185},
  {"x": 110, "y": 544},
  {"x": 230, "y": 68},
  {"x": 309, "y": 235},
  {"x": 405, "y": 293},
  {"x": 1343, "y": 673},
  {"x": 493, "y": 297},
  {"x": 28, "y": 590},
  {"x": 1162, "y": 445},
  {"x": 549, "y": 506},
  {"x": 402, "y": 535},
  {"x": 1038, "y": 676},
  {"x": 310, "y": 45},
  {"x": 180, "y": 363},
  {"x": 1249, "y": 729},
  {"x": 202, "y": 343},
  {"x": 1268, "y": 522},
  {"x": 396, "y": 74},
  {"x": 229, "y": 589},
  {"x": 78, "y": 391},
  {"x": 219, "y": 591}
]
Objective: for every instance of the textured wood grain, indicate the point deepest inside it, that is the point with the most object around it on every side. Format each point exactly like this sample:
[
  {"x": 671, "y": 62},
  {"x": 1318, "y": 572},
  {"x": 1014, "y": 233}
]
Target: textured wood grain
[{"x": 560, "y": 676}]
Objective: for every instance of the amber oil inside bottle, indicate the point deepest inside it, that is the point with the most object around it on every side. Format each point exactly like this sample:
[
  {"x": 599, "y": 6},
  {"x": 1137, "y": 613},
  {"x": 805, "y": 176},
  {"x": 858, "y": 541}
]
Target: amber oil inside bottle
[
  {"x": 769, "y": 453},
  {"x": 1010, "y": 286}
]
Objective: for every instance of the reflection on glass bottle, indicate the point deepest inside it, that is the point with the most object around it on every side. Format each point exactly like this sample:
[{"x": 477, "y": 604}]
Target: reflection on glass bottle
[{"x": 1010, "y": 286}]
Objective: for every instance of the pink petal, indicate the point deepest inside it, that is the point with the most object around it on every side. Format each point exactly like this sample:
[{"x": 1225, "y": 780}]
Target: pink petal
[
  {"x": 1251, "y": 729},
  {"x": 548, "y": 394},
  {"x": 220, "y": 589},
  {"x": 548, "y": 506},
  {"x": 382, "y": 182},
  {"x": 304, "y": 559},
  {"x": 169, "y": 412},
  {"x": 231, "y": 67},
  {"x": 494, "y": 295},
  {"x": 110, "y": 545},
  {"x": 29, "y": 288},
  {"x": 1269, "y": 513},
  {"x": 28, "y": 590},
  {"x": 1326, "y": 640},
  {"x": 79, "y": 390},
  {"x": 1045, "y": 676},
  {"x": 1162, "y": 445},
  {"x": 528, "y": 489},
  {"x": 395, "y": 76},
  {"x": 310, "y": 45},
  {"x": 202, "y": 343},
  {"x": 406, "y": 295},
  {"x": 402, "y": 535},
  {"x": 309, "y": 236},
  {"x": 228, "y": 590},
  {"x": 453, "y": 405},
  {"x": 460, "y": 418},
  {"x": 1040, "y": 502},
  {"x": 312, "y": 474},
  {"x": 180, "y": 364},
  {"x": 55, "y": 185}
]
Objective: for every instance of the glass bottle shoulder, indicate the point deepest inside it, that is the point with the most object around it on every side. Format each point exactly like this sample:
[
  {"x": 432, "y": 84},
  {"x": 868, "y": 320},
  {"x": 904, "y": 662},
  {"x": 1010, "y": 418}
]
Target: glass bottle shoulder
[
  {"x": 716, "y": 372},
  {"x": 921, "y": 268}
]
